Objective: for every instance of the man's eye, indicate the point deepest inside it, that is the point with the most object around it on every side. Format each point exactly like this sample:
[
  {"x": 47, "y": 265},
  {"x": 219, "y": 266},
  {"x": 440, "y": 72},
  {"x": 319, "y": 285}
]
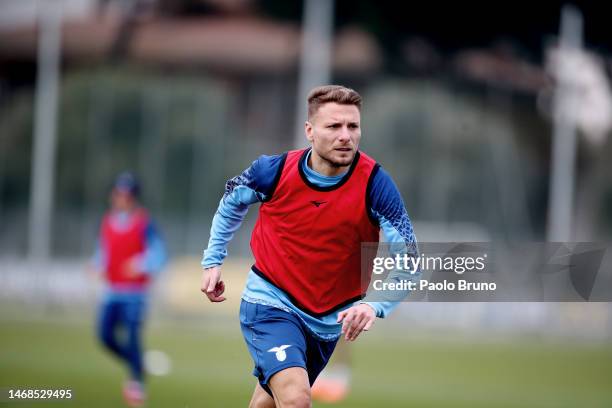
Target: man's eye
[
  {"x": 334, "y": 126},
  {"x": 353, "y": 126}
]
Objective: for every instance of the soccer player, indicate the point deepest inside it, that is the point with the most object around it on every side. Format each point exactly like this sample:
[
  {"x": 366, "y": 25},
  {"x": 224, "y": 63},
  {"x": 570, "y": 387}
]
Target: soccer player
[
  {"x": 305, "y": 289},
  {"x": 129, "y": 253}
]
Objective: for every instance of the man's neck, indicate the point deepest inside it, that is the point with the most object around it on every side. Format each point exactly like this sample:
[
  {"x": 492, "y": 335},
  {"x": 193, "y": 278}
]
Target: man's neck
[
  {"x": 324, "y": 167},
  {"x": 128, "y": 210}
]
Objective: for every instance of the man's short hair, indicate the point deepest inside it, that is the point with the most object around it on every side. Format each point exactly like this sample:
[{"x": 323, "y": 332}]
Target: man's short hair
[{"x": 332, "y": 93}]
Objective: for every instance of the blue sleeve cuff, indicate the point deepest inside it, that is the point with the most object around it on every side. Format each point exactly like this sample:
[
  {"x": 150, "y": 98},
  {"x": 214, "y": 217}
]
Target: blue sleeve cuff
[{"x": 382, "y": 309}]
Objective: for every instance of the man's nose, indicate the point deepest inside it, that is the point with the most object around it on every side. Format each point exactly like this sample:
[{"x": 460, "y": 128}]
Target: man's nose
[{"x": 344, "y": 134}]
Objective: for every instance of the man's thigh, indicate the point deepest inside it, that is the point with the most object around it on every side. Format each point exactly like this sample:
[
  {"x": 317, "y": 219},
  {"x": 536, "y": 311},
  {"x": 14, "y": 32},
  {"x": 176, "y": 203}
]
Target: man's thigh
[
  {"x": 290, "y": 387},
  {"x": 133, "y": 312},
  {"x": 275, "y": 339},
  {"x": 109, "y": 314}
]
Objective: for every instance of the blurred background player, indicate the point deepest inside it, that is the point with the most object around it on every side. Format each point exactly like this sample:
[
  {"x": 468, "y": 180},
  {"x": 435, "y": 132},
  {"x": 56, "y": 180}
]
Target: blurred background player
[{"x": 130, "y": 251}]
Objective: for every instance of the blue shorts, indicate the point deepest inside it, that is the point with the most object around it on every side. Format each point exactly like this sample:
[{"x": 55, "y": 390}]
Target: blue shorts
[{"x": 277, "y": 340}]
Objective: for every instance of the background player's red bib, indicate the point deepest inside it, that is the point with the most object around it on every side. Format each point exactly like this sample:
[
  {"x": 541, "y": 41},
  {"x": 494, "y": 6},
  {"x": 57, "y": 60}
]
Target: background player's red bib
[{"x": 123, "y": 244}]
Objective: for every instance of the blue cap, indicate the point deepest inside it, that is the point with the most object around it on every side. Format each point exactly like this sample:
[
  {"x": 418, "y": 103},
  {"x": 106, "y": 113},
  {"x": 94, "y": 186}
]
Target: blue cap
[{"x": 127, "y": 181}]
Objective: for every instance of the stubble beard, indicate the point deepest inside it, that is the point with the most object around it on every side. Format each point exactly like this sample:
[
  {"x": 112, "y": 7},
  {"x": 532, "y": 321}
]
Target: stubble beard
[{"x": 337, "y": 164}]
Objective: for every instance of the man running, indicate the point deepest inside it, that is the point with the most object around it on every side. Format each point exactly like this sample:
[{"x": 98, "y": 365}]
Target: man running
[{"x": 318, "y": 205}]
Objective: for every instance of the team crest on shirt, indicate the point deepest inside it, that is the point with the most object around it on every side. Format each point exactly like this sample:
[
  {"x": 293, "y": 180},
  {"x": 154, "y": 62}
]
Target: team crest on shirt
[{"x": 281, "y": 355}]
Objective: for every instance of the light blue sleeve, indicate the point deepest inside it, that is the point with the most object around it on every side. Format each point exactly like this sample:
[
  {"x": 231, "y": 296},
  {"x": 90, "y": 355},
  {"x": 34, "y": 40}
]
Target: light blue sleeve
[
  {"x": 99, "y": 257},
  {"x": 155, "y": 255},
  {"x": 232, "y": 209}
]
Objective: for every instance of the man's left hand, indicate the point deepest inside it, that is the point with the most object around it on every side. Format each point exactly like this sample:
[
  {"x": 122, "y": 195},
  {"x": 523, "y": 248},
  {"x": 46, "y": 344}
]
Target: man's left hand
[
  {"x": 356, "y": 319},
  {"x": 131, "y": 268}
]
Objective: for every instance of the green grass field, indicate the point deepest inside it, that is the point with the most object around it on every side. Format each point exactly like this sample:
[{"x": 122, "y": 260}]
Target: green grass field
[{"x": 211, "y": 368}]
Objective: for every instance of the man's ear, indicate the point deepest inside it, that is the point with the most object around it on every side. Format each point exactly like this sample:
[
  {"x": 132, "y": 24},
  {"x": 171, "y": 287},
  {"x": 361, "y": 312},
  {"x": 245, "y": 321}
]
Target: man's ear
[{"x": 308, "y": 130}]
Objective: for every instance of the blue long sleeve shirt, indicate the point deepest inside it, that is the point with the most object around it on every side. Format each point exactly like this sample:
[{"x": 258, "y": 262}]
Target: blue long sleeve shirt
[{"x": 254, "y": 185}]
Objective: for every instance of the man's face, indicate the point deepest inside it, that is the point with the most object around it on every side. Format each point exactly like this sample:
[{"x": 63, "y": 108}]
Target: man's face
[
  {"x": 122, "y": 200},
  {"x": 334, "y": 131}
]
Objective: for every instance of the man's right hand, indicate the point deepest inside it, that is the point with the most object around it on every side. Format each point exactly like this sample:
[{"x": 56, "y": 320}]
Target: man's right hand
[{"x": 212, "y": 285}]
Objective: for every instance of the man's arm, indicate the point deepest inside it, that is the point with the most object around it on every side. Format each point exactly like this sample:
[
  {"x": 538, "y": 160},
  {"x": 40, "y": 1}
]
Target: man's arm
[
  {"x": 253, "y": 185},
  {"x": 97, "y": 263},
  {"x": 98, "y": 260},
  {"x": 155, "y": 256},
  {"x": 389, "y": 209}
]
